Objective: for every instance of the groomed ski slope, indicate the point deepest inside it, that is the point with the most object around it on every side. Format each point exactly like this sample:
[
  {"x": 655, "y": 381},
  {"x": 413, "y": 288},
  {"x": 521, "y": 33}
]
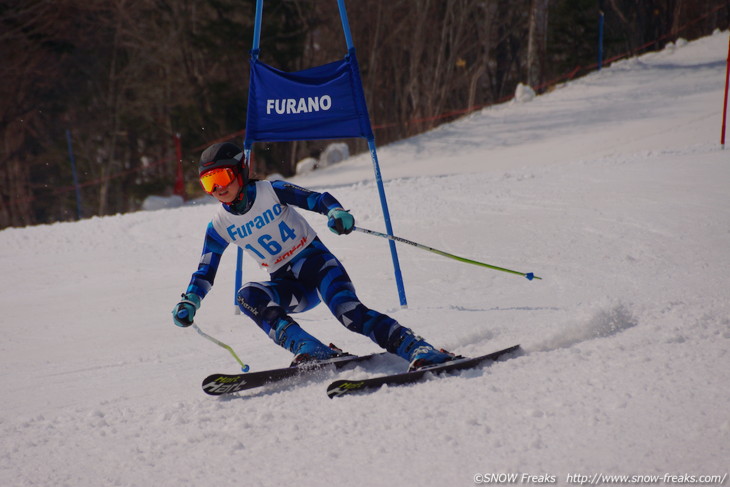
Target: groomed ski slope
[{"x": 613, "y": 188}]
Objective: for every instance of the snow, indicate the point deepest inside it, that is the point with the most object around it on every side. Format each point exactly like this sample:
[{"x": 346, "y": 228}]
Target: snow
[{"x": 613, "y": 188}]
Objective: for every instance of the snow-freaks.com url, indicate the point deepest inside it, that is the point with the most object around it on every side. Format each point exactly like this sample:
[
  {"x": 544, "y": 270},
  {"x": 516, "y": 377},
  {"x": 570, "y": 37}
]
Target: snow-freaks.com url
[
  {"x": 667, "y": 478},
  {"x": 599, "y": 479}
]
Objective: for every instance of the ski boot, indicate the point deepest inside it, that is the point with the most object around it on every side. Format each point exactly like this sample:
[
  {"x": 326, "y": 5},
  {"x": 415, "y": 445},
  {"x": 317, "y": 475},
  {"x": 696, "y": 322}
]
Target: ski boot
[
  {"x": 419, "y": 353},
  {"x": 318, "y": 355},
  {"x": 426, "y": 356},
  {"x": 306, "y": 348}
]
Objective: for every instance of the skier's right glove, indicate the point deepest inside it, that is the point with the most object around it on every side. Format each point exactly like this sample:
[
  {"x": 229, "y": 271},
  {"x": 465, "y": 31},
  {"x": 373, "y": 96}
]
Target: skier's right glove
[{"x": 184, "y": 311}]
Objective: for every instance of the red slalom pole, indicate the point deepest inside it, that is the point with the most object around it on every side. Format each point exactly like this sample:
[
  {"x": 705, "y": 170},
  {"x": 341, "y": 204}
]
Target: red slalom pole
[{"x": 724, "y": 107}]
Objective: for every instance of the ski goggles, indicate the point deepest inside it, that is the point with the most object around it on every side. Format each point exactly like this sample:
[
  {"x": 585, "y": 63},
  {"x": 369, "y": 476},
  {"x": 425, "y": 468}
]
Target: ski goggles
[{"x": 220, "y": 177}]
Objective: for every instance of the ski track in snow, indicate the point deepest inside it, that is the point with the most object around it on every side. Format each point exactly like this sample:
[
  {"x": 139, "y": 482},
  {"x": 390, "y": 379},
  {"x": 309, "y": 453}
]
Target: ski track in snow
[{"x": 613, "y": 188}]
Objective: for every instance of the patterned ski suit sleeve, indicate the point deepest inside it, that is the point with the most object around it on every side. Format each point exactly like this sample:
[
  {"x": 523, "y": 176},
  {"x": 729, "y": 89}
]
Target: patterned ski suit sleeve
[
  {"x": 213, "y": 248},
  {"x": 291, "y": 194}
]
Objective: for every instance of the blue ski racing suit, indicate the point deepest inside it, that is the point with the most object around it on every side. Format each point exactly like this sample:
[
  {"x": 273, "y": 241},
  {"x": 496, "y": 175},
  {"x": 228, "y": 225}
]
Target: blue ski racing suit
[{"x": 303, "y": 272}]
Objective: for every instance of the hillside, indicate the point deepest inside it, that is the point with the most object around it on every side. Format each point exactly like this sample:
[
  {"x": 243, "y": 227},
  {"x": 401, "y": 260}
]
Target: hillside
[{"x": 613, "y": 188}]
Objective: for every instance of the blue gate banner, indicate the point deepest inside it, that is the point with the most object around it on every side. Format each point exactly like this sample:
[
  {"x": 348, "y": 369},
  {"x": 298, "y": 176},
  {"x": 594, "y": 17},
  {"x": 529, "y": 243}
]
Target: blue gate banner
[{"x": 325, "y": 102}]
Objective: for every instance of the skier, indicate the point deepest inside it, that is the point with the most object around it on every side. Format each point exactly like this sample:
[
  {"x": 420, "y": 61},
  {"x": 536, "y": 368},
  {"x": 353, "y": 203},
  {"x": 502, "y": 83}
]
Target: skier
[{"x": 259, "y": 216}]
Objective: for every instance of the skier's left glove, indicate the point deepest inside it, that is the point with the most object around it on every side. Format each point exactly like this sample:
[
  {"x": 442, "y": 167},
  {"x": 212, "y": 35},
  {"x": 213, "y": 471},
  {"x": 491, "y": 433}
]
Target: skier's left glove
[
  {"x": 340, "y": 221},
  {"x": 184, "y": 311}
]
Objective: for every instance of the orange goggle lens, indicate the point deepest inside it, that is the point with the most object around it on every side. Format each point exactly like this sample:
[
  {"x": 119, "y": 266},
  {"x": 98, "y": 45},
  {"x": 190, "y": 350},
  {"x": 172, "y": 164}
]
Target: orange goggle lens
[{"x": 221, "y": 177}]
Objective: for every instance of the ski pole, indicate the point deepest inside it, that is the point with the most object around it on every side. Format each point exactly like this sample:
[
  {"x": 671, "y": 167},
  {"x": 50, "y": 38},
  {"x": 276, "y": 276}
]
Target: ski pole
[
  {"x": 529, "y": 275},
  {"x": 244, "y": 367}
]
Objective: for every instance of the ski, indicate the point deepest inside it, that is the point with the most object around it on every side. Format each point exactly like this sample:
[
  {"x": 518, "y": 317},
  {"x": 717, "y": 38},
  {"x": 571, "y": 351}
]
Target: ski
[
  {"x": 219, "y": 384},
  {"x": 342, "y": 387}
]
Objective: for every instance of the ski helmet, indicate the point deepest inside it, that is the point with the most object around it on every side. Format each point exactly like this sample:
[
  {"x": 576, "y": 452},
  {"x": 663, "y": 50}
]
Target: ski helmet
[{"x": 224, "y": 155}]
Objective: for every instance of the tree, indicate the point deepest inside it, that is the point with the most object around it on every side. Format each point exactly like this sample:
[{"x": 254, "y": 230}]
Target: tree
[
  {"x": 35, "y": 39},
  {"x": 126, "y": 75},
  {"x": 537, "y": 44}
]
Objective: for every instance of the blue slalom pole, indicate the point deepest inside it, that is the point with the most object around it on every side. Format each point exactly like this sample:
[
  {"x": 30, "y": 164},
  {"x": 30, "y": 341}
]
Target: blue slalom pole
[
  {"x": 79, "y": 212},
  {"x": 238, "y": 281},
  {"x": 378, "y": 177},
  {"x": 345, "y": 24},
  {"x": 388, "y": 225},
  {"x": 600, "y": 40},
  {"x": 257, "y": 25}
]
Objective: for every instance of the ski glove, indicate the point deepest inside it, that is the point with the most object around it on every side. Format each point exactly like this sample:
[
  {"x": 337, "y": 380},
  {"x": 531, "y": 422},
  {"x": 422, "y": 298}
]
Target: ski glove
[
  {"x": 184, "y": 311},
  {"x": 340, "y": 221}
]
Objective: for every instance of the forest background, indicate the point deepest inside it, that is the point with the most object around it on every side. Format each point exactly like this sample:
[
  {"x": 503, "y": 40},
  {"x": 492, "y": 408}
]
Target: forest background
[{"x": 131, "y": 84}]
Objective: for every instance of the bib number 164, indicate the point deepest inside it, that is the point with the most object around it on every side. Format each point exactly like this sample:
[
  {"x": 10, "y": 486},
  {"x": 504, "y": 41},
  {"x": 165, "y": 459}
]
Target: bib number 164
[{"x": 270, "y": 244}]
